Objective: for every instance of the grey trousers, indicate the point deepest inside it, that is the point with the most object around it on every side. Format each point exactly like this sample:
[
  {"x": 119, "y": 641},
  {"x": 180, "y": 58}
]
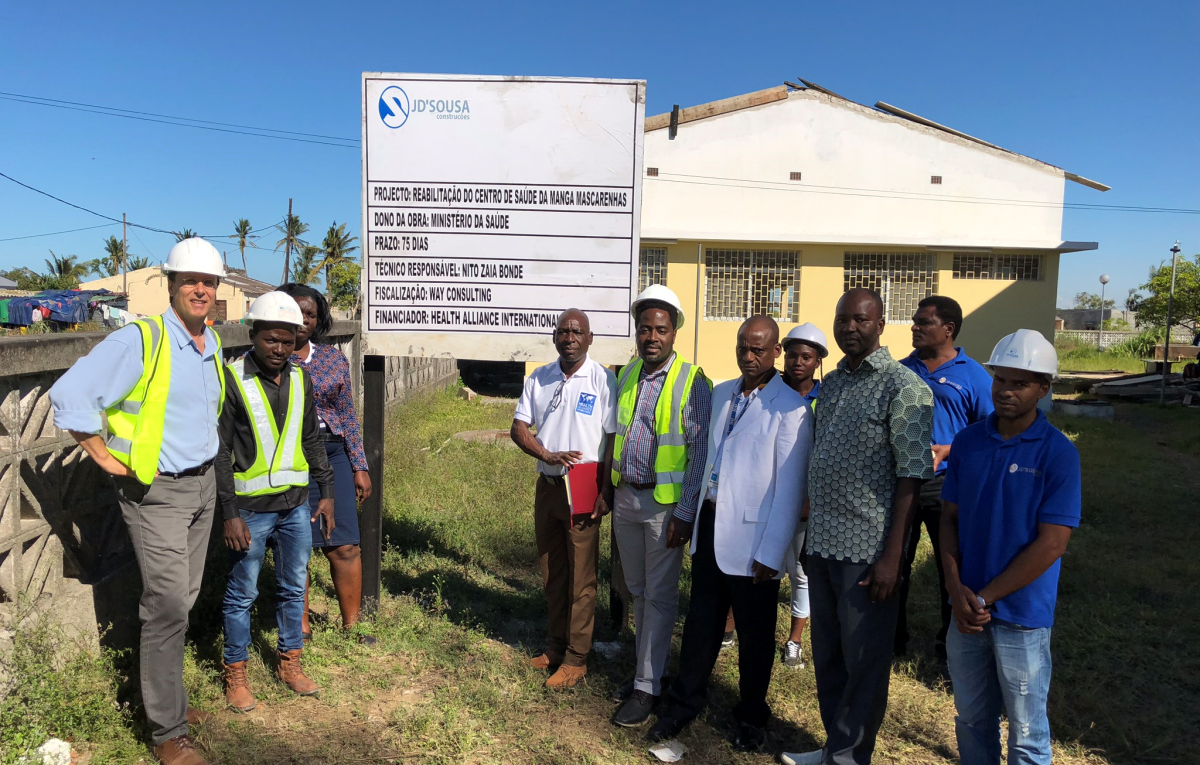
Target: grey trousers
[
  {"x": 652, "y": 575},
  {"x": 852, "y": 657},
  {"x": 169, "y": 523}
]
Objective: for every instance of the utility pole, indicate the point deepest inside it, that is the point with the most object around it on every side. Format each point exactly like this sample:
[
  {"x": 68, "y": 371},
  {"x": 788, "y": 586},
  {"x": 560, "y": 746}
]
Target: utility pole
[
  {"x": 1100, "y": 334},
  {"x": 287, "y": 247},
  {"x": 1162, "y": 386},
  {"x": 124, "y": 259}
]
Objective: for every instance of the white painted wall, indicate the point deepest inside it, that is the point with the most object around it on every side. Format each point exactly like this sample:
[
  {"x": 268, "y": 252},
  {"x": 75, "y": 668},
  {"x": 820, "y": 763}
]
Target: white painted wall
[{"x": 834, "y": 143}]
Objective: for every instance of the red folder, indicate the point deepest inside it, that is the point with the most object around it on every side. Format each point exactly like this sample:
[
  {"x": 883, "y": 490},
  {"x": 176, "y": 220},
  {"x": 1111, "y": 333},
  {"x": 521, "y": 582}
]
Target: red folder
[{"x": 583, "y": 486}]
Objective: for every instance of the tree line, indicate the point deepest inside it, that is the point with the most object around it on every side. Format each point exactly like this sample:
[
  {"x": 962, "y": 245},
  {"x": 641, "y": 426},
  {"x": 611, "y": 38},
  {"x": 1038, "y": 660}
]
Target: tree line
[{"x": 331, "y": 261}]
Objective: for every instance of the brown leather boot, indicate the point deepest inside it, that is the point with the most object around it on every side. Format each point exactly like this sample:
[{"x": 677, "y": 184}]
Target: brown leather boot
[
  {"x": 179, "y": 751},
  {"x": 545, "y": 661},
  {"x": 291, "y": 674},
  {"x": 237, "y": 688},
  {"x": 566, "y": 677}
]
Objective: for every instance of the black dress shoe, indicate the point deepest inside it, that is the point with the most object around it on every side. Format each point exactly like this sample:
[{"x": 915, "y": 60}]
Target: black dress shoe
[
  {"x": 636, "y": 710},
  {"x": 667, "y": 728},
  {"x": 621, "y": 694},
  {"x": 749, "y": 738}
]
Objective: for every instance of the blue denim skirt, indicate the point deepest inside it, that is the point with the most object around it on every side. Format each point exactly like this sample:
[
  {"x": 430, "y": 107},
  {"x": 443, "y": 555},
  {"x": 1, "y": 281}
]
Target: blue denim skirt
[{"x": 345, "y": 510}]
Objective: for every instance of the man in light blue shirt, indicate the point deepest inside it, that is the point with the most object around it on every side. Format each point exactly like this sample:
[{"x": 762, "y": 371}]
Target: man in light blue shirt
[{"x": 168, "y": 507}]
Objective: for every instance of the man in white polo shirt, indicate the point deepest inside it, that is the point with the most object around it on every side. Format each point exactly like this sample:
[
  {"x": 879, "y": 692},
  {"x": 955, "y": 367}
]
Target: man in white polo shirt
[{"x": 572, "y": 402}]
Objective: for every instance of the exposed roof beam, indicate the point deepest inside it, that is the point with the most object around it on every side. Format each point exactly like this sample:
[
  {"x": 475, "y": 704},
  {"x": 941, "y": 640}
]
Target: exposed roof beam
[
  {"x": 817, "y": 87},
  {"x": 724, "y": 106},
  {"x": 1097, "y": 185}
]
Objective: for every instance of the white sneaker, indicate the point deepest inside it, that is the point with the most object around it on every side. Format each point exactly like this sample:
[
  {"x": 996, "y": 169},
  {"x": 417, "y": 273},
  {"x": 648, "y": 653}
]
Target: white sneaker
[
  {"x": 793, "y": 657},
  {"x": 802, "y": 758}
]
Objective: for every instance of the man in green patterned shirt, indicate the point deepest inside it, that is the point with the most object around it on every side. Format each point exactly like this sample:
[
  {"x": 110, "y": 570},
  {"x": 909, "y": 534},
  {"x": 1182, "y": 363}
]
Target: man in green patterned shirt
[{"x": 873, "y": 430}]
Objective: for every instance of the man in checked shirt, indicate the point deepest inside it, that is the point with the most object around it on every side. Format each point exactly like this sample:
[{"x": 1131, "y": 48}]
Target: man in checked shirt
[{"x": 663, "y": 409}]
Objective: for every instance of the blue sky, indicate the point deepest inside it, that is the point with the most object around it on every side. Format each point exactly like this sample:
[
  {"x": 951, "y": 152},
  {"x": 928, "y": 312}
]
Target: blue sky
[{"x": 1104, "y": 89}]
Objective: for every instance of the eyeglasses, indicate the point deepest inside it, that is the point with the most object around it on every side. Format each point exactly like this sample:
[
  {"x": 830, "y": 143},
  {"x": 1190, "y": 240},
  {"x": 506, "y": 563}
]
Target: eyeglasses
[
  {"x": 558, "y": 394},
  {"x": 191, "y": 281}
]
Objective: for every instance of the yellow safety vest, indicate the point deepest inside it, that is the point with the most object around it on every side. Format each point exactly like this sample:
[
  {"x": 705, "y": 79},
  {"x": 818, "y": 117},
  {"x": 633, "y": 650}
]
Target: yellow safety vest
[
  {"x": 670, "y": 463},
  {"x": 136, "y": 423},
  {"x": 279, "y": 461}
]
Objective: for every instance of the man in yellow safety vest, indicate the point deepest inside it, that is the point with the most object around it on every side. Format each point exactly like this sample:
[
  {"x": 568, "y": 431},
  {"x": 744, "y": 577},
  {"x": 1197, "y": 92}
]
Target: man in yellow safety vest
[
  {"x": 159, "y": 382},
  {"x": 270, "y": 442},
  {"x": 663, "y": 410}
]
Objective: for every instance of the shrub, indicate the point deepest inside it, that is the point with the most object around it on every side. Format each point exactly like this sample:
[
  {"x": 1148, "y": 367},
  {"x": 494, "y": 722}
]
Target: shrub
[
  {"x": 1142, "y": 344},
  {"x": 52, "y": 687}
]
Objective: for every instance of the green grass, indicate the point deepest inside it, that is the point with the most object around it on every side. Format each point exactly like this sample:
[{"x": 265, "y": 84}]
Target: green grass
[
  {"x": 447, "y": 683},
  {"x": 1088, "y": 359}
]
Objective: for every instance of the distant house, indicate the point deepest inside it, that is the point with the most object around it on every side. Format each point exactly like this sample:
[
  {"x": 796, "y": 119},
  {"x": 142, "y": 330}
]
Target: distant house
[
  {"x": 1089, "y": 318},
  {"x": 148, "y": 292},
  {"x": 7, "y": 284}
]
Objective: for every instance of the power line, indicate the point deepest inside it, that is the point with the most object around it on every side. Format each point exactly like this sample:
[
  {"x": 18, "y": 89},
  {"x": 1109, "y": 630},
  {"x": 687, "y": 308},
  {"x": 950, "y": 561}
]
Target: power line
[
  {"x": 110, "y": 218},
  {"x": 181, "y": 124},
  {"x": 745, "y": 183},
  {"x": 184, "y": 119},
  {"x": 55, "y": 233}
]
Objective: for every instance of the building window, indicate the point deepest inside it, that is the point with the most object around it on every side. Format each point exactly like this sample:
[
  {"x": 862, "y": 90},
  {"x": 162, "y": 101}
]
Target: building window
[
  {"x": 652, "y": 172},
  {"x": 1010, "y": 268},
  {"x": 936, "y": 180},
  {"x": 902, "y": 279},
  {"x": 741, "y": 283},
  {"x": 652, "y": 267}
]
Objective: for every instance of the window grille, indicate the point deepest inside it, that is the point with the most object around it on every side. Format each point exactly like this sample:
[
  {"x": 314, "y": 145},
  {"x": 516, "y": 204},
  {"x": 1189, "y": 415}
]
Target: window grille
[
  {"x": 741, "y": 283},
  {"x": 652, "y": 172},
  {"x": 902, "y": 279},
  {"x": 936, "y": 180},
  {"x": 1011, "y": 268},
  {"x": 652, "y": 267},
  {"x": 795, "y": 176}
]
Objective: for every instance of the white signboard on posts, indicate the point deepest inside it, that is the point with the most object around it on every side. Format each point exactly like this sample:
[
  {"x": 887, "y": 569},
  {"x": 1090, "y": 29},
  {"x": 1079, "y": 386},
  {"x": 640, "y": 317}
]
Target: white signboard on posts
[{"x": 491, "y": 204}]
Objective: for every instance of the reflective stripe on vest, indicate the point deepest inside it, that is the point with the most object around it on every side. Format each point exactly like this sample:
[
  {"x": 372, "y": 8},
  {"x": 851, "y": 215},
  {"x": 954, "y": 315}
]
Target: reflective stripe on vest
[
  {"x": 136, "y": 423},
  {"x": 671, "y": 454},
  {"x": 279, "y": 461}
]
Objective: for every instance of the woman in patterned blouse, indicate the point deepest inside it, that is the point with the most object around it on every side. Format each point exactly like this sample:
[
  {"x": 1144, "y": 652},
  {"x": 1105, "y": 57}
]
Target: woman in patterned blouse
[{"x": 330, "y": 372}]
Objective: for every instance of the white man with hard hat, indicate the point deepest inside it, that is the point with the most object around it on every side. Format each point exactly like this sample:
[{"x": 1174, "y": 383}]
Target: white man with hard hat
[
  {"x": 270, "y": 444},
  {"x": 159, "y": 382},
  {"x": 663, "y": 411},
  {"x": 1011, "y": 498}
]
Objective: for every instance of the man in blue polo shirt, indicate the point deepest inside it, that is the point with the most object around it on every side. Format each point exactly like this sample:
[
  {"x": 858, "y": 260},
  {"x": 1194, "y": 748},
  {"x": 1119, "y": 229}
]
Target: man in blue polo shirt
[
  {"x": 962, "y": 394},
  {"x": 1012, "y": 496}
]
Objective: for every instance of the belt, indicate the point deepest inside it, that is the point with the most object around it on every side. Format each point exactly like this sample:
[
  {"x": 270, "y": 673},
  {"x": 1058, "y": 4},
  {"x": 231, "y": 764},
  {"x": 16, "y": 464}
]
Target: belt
[
  {"x": 195, "y": 471},
  {"x": 554, "y": 479},
  {"x": 641, "y": 486},
  {"x": 333, "y": 438}
]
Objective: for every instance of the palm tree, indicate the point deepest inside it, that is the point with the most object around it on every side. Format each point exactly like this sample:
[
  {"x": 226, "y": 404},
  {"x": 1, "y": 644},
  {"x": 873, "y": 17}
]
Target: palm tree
[
  {"x": 292, "y": 230},
  {"x": 335, "y": 249},
  {"x": 304, "y": 270},
  {"x": 116, "y": 256},
  {"x": 187, "y": 233},
  {"x": 241, "y": 232},
  {"x": 64, "y": 273},
  {"x": 137, "y": 262}
]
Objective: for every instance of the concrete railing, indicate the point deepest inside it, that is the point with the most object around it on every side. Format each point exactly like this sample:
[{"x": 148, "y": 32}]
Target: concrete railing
[
  {"x": 1109, "y": 338},
  {"x": 58, "y": 511}
]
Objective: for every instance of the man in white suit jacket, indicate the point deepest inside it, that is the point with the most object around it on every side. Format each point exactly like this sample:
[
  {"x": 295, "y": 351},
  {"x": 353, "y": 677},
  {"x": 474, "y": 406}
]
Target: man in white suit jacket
[{"x": 760, "y": 436}]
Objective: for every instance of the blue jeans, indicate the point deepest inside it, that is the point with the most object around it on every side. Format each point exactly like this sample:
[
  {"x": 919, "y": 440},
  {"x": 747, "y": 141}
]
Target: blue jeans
[
  {"x": 293, "y": 544},
  {"x": 1005, "y": 668}
]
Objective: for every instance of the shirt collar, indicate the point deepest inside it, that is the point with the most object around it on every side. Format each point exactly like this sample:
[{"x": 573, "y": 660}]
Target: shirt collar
[
  {"x": 959, "y": 358},
  {"x": 1035, "y": 432},
  {"x": 182, "y": 337},
  {"x": 877, "y": 359},
  {"x": 558, "y": 373},
  {"x": 665, "y": 367}
]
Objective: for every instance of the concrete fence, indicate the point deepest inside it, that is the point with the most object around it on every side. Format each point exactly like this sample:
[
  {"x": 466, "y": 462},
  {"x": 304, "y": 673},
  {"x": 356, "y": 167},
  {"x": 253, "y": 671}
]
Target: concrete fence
[
  {"x": 58, "y": 513},
  {"x": 1109, "y": 338}
]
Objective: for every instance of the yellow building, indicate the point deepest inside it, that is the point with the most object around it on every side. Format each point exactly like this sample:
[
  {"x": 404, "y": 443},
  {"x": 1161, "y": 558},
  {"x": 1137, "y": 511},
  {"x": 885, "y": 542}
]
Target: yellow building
[
  {"x": 148, "y": 292},
  {"x": 778, "y": 201}
]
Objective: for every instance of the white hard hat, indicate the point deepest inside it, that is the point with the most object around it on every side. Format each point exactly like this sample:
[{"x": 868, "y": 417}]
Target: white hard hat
[
  {"x": 196, "y": 256},
  {"x": 661, "y": 294},
  {"x": 808, "y": 333},
  {"x": 275, "y": 306},
  {"x": 1026, "y": 349}
]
